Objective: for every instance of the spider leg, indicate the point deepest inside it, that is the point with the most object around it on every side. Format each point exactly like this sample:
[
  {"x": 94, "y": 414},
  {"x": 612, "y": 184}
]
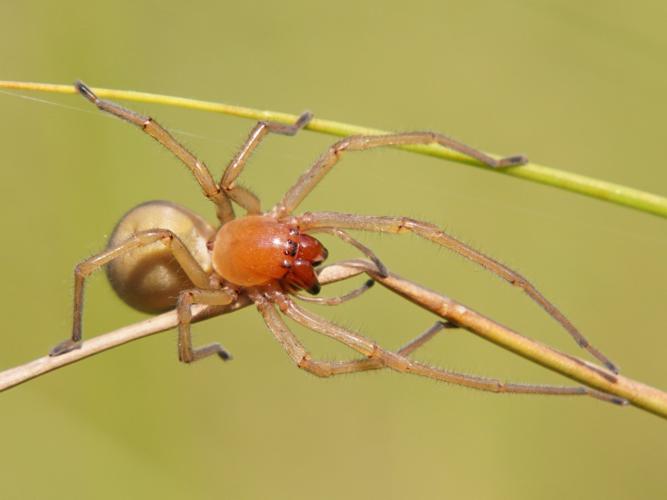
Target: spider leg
[
  {"x": 296, "y": 351},
  {"x": 382, "y": 270},
  {"x": 334, "y": 301},
  {"x": 402, "y": 364},
  {"x": 433, "y": 233},
  {"x": 197, "y": 167},
  {"x": 186, "y": 299},
  {"x": 307, "y": 182},
  {"x": 187, "y": 262},
  {"x": 420, "y": 340},
  {"x": 239, "y": 194}
]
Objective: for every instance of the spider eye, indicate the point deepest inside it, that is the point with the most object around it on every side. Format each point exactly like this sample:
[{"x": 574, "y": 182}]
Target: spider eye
[{"x": 292, "y": 248}]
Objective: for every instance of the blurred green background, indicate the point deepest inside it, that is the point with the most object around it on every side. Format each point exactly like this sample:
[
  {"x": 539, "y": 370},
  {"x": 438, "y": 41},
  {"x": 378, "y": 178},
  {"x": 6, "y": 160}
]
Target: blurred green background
[{"x": 574, "y": 85}]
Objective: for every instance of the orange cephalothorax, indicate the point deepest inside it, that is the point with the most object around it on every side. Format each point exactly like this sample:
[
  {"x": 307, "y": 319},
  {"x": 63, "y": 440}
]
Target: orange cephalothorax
[{"x": 256, "y": 249}]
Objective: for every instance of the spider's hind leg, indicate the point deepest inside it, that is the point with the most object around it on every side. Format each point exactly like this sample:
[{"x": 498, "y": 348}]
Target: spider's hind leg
[
  {"x": 186, "y": 300},
  {"x": 296, "y": 351},
  {"x": 141, "y": 239},
  {"x": 228, "y": 185},
  {"x": 148, "y": 125},
  {"x": 400, "y": 363}
]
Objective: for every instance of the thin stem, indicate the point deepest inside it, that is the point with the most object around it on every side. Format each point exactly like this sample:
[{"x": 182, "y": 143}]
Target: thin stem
[
  {"x": 14, "y": 376},
  {"x": 638, "y": 394},
  {"x": 594, "y": 188}
]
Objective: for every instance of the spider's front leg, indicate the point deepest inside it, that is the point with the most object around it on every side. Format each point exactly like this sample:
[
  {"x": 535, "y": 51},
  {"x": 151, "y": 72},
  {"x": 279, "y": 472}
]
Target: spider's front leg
[
  {"x": 398, "y": 225},
  {"x": 307, "y": 182}
]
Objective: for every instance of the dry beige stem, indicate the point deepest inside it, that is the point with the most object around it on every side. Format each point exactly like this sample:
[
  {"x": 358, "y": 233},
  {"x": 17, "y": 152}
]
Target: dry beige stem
[{"x": 588, "y": 374}]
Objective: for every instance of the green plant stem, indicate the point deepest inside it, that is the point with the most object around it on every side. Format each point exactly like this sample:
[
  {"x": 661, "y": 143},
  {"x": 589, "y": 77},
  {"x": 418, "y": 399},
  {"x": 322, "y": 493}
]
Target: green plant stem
[{"x": 594, "y": 188}]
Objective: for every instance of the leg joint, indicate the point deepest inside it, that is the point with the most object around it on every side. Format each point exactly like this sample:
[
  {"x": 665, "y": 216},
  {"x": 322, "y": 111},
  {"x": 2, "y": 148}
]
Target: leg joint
[
  {"x": 306, "y": 363},
  {"x": 338, "y": 148},
  {"x": 186, "y": 298},
  {"x": 82, "y": 270},
  {"x": 214, "y": 195},
  {"x": 405, "y": 224},
  {"x": 375, "y": 352}
]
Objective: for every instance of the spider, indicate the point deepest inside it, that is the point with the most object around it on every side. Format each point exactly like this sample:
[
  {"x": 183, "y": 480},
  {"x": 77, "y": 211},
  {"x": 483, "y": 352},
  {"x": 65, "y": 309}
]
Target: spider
[{"x": 163, "y": 256}]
